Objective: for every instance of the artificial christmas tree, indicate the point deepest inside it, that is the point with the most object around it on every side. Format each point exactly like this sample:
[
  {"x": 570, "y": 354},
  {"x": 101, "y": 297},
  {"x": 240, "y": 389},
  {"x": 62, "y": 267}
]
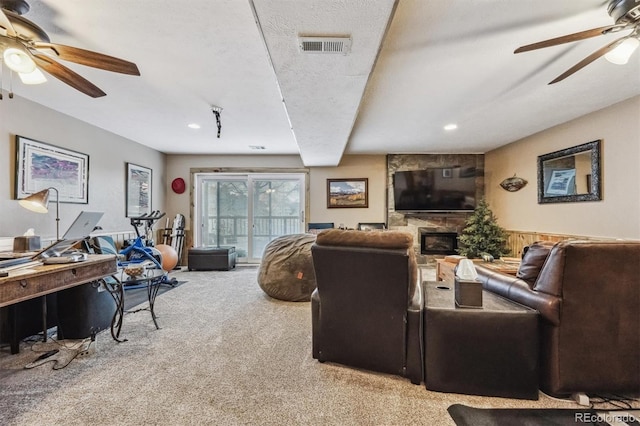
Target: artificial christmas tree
[{"x": 482, "y": 235}]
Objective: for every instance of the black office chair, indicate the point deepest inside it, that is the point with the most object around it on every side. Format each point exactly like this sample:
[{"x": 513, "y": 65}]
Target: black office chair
[{"x": 371, "y": 226}]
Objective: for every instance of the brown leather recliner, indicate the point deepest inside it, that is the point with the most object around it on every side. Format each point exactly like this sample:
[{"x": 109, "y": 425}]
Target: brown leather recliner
[
  {"x": 366, "y": 310},
  {"x": 588, "y": 297}
]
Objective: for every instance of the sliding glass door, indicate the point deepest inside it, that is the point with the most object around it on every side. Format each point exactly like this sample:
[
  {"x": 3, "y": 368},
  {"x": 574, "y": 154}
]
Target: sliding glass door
[
  {"x": 247, "y": 211},
  {"x": 223, "y": 210}
]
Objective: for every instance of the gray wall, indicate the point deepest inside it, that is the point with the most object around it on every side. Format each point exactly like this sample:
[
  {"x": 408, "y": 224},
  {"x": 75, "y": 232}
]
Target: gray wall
[{"x": 108, "y": 155}]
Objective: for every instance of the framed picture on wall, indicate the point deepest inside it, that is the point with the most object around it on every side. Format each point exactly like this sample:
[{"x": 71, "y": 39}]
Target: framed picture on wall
[
  {"x": 40, "y": 166},
  {"x": 138, "y": 190},
  {"x": 347, "y": 193}
]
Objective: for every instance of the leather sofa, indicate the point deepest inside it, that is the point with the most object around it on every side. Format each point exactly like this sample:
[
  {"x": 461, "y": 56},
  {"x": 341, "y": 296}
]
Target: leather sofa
[
  {"x": 367, "y": 307},
  {"x": 588, "y": 297}
]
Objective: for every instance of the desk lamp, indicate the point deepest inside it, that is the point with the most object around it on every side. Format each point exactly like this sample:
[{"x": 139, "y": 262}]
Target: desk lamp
[{"x": 39, "y": 203}]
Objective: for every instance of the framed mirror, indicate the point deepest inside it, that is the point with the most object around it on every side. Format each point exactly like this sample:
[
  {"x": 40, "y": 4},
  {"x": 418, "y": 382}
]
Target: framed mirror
[{"x": 570, "y": 175}]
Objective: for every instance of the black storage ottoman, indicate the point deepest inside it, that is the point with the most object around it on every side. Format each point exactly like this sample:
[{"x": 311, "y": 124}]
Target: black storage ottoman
[{"x": 212, "y": 258}]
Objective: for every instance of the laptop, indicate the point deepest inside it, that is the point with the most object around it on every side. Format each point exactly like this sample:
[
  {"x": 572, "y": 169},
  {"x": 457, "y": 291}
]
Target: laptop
[
  {"x": 80, "y": 229},
  {"x": 55, "y": 253},
  {"x": 83, "y": 225}
]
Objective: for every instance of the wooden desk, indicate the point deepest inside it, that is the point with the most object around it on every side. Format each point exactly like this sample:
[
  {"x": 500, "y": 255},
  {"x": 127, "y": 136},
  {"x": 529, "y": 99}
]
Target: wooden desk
[
  {"x": 444, "y": 270},
  {"x": 28, "y": 283}
]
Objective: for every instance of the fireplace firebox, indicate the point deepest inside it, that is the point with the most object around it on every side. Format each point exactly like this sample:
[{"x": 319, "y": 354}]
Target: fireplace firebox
[{"x": 438, "y": 242}]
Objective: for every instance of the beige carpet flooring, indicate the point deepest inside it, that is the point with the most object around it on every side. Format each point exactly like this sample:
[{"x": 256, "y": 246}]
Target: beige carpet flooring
[{"x": 226, "y": 354}]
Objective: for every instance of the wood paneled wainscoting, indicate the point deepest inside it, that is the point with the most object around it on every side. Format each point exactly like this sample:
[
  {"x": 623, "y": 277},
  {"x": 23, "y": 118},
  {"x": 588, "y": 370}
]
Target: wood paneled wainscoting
[{"x": 517, "y": 240}]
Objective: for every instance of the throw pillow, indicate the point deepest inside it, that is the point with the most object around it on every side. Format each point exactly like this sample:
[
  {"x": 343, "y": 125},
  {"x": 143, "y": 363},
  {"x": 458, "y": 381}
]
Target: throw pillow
[{"x": 533, "y": 260}]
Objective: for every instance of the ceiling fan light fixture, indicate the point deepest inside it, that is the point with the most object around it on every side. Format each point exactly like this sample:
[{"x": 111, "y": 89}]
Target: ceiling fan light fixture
[
  {"x": 18, "y": 60},
  {"x": 621, "y": 54},
  {"x": 34, "y": 77}
]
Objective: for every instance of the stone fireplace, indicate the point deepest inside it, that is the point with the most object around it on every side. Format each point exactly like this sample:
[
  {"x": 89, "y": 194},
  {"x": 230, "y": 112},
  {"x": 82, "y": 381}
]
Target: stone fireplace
[
  {"x": 443, "y": 243},
  {"x": 437, "y": 230}
]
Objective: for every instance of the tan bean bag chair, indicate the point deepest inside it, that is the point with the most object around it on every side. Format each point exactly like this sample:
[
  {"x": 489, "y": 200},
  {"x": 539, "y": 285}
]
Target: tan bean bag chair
[{"x": 286, "y": 271}]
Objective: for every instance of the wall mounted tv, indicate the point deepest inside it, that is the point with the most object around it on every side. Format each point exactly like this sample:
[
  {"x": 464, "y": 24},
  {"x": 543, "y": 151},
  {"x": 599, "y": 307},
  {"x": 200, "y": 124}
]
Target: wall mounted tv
[{"x": 443, "y": 189}]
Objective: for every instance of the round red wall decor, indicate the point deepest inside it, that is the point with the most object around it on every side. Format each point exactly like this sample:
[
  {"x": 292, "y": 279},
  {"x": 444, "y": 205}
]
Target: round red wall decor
[{"x": 178, "y": 185}]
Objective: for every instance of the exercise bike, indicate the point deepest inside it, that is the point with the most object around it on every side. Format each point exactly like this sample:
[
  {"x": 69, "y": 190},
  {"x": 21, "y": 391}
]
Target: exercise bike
[{"x": 141, "y": 251}]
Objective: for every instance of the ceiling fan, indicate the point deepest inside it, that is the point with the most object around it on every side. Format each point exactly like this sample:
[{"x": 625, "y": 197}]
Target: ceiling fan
[
  {"x": 626, "y": 15},
  {"x": 26, "y": 49}
]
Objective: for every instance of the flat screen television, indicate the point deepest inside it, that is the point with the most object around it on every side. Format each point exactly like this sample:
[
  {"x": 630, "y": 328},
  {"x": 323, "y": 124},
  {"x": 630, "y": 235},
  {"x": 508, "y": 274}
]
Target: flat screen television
[{"x": 443, "y": 189}]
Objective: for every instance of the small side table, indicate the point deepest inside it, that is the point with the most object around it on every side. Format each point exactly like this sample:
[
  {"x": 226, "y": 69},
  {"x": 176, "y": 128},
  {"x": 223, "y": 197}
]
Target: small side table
[
  {"x": 152, "y": 278},
  {"x": 490, "y": 351}
]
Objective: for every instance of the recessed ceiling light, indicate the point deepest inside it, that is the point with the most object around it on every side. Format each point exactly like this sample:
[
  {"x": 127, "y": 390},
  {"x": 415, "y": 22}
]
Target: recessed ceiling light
[
  {"x": 451, "y": 126},
  {"x": 193, "y": 125}
]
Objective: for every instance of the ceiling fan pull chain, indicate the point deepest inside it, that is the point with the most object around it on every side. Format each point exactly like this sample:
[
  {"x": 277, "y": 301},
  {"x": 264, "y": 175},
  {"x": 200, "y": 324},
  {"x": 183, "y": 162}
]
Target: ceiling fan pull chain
[{"x": 10, "y": 84}]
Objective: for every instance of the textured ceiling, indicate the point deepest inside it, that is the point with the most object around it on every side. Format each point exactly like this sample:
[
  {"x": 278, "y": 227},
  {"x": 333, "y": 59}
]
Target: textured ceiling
[
  {"x": 322, "y": 92},
  {"x": 415, "y": 65}
]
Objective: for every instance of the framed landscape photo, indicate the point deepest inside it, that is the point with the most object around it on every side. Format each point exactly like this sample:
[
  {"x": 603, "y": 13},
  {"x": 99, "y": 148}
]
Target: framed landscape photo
[
  {"x": 138, "y": 191},
  {"x": 40, "y": 166},
  {"x": 347, "y": 193}
]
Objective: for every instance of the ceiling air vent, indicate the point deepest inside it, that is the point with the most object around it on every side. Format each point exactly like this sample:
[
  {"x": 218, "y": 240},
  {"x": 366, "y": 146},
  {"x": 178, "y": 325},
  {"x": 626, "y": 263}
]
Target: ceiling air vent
[{"x": 339, "y": 45}]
